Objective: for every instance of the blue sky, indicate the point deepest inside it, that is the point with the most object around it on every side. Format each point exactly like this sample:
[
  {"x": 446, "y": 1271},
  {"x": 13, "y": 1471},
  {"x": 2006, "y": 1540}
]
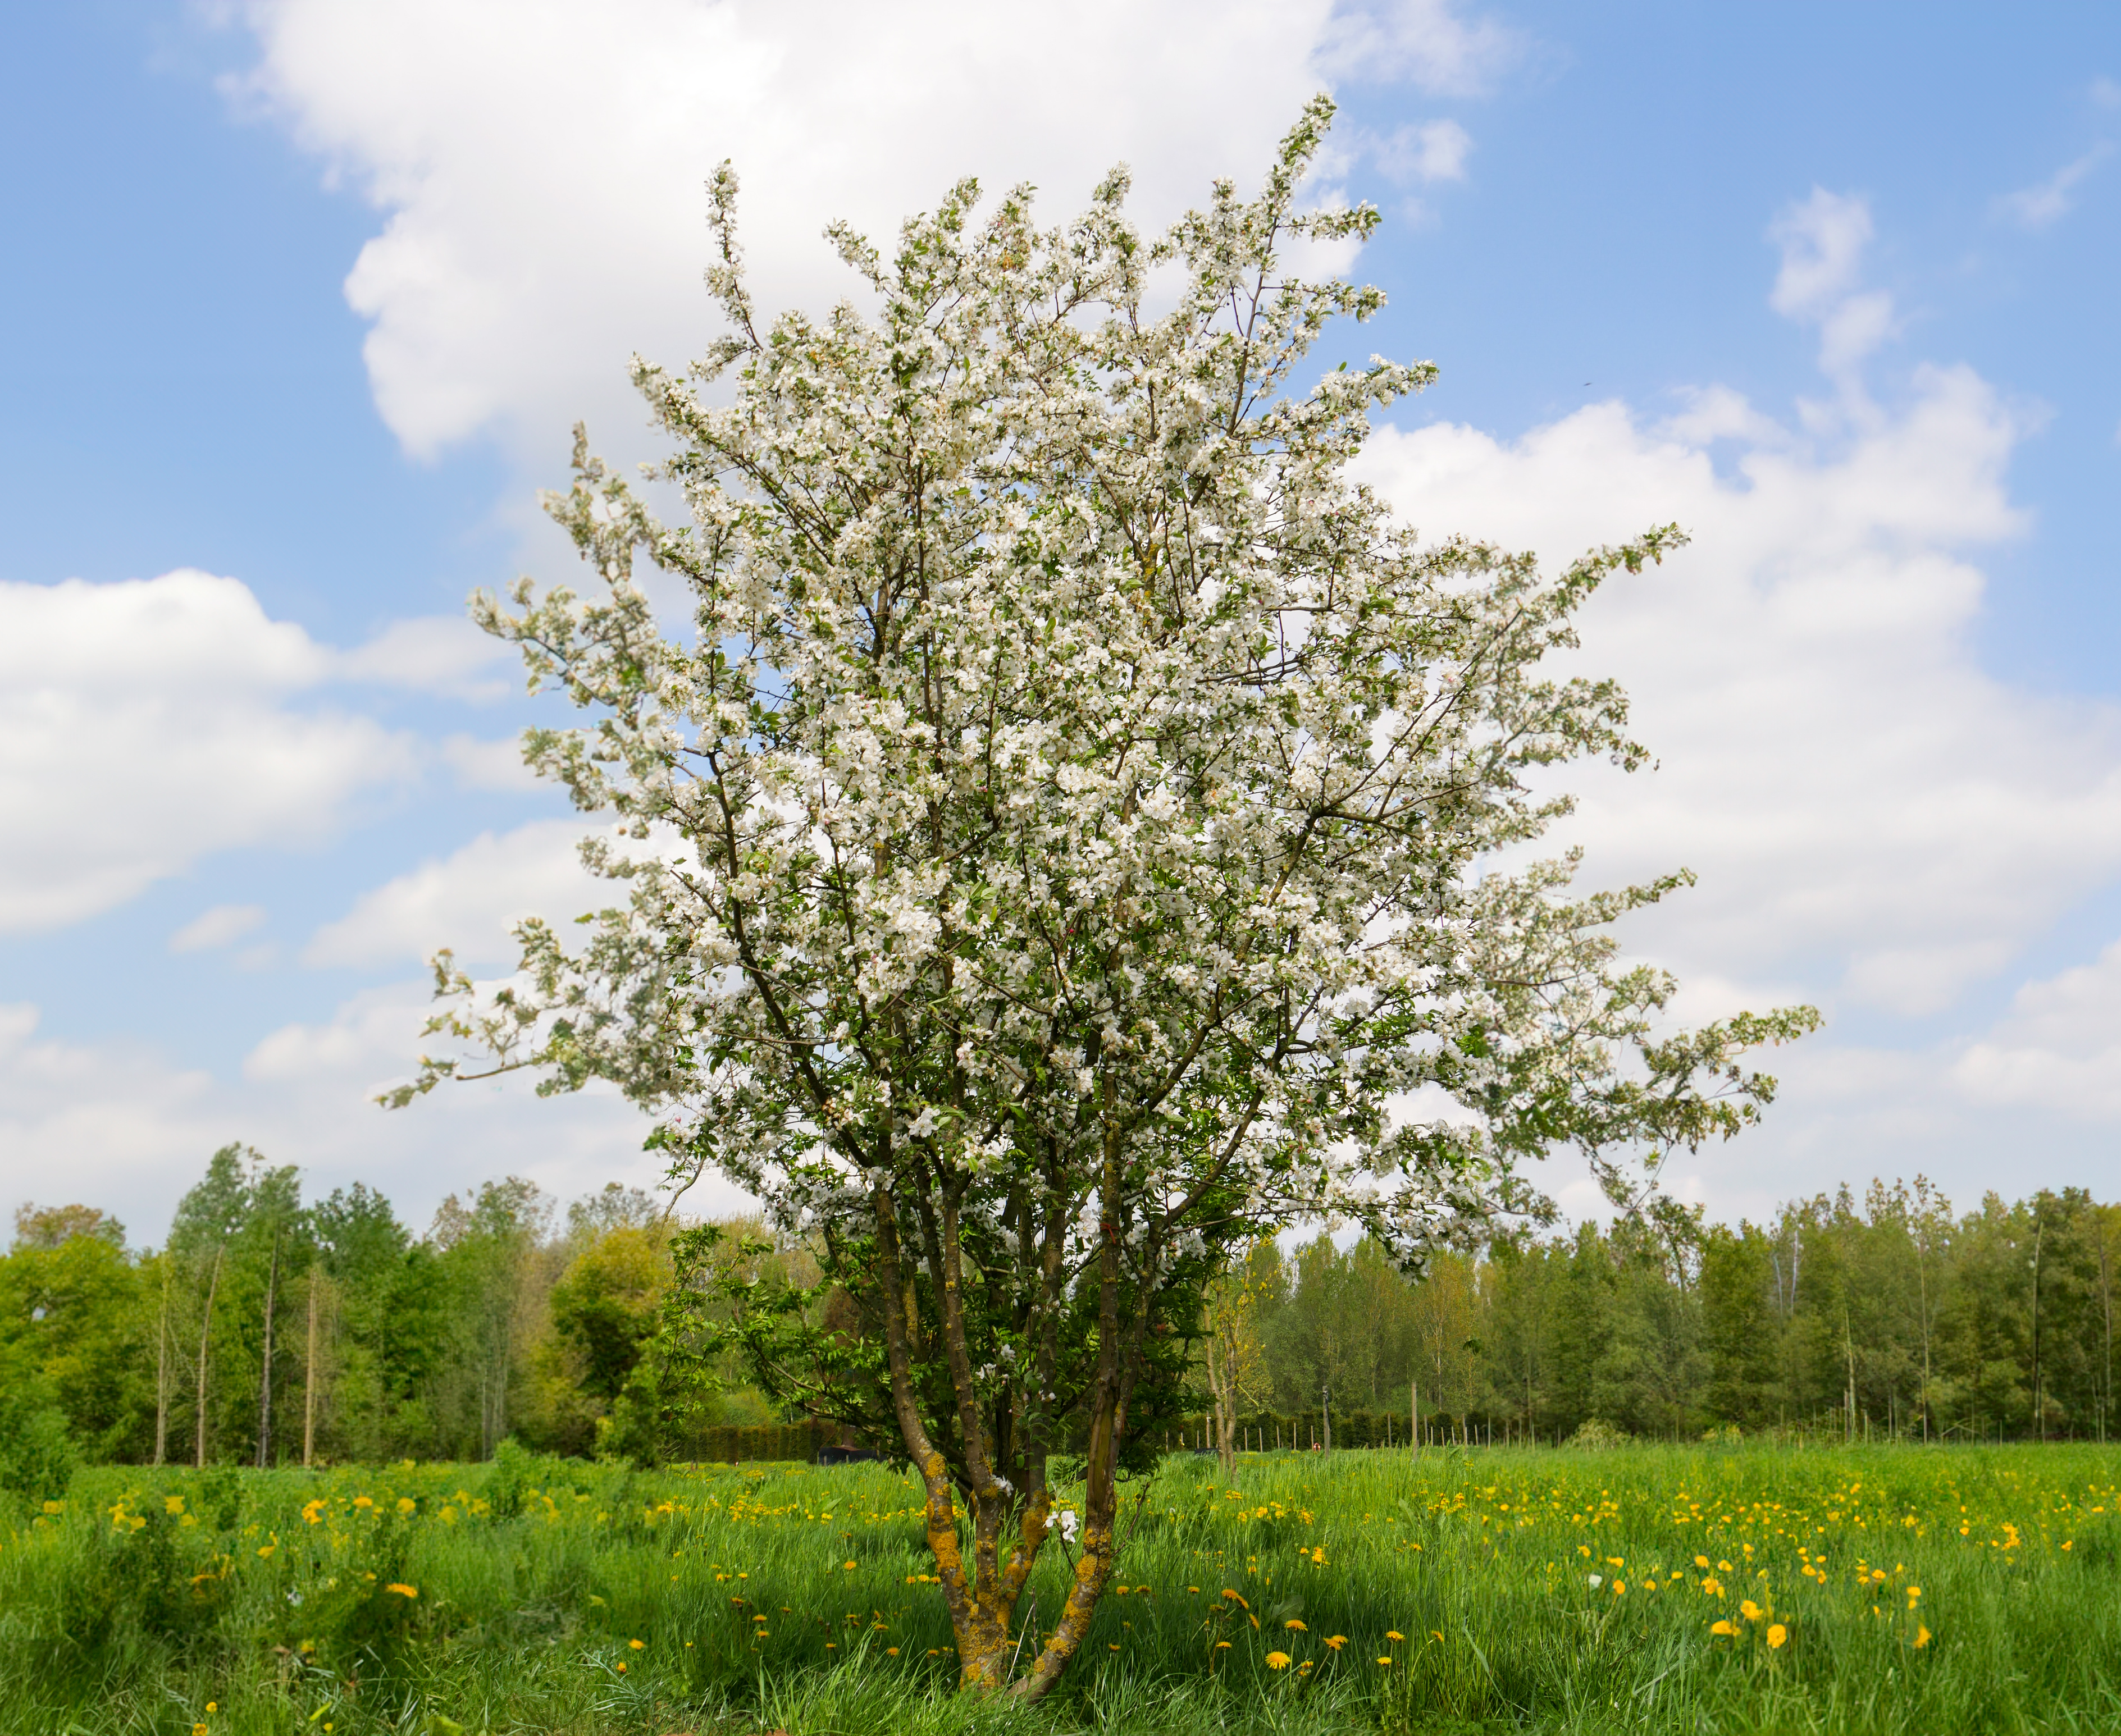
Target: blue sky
[{"x": 305, "y": 298}]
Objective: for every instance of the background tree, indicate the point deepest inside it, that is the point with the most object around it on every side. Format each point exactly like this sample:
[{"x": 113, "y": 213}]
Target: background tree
[{"x": 1084, "y": 806}]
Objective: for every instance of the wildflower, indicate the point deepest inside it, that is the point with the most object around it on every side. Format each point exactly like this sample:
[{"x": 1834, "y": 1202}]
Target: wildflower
[
  {"x": 198, "y": 1730},
  {"x": 1619, "y": 1587},
  {"x": 848, "y": 1566},
  {"x": 637, "y": 1646},
  {"x": 1393, "y": 1633},
  {"x": 1222, "y": 1645},
  {"x": 1922, "y": 1635},
  {"x": 406, "y": 1504},
  {"x": 1701, "y": 1562},
  {"x": 1777, "y": 1633},
  {"x": 173, "y": 1505},
  {"x": 362, "y": 1501},
  {"x": 1298, "y": 1626},
  {"x": 1277, "y": 1660},
  {"x": 890, "y": 1651},
  {"x": 1335, "y": 1641},
  {"x": 1728, "y": 1629},
  {"x": 1749, "y": 1610},
  {"x": 213, "y": 1705},
  {"x": 403, "y": 1591},
  {"x": 1596, "y": 1580},
  {"x": 1384, "y": 1660}
]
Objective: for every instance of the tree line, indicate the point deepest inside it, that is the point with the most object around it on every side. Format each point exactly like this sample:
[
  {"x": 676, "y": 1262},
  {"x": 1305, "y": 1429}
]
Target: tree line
[
  {"x": 1892, "y": 1316},
  {"x": 267, "y": 1331}
]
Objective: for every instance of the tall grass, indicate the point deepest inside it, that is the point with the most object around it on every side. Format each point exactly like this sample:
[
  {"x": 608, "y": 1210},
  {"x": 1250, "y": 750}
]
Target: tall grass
[{"x": 1910, "y": 1591}]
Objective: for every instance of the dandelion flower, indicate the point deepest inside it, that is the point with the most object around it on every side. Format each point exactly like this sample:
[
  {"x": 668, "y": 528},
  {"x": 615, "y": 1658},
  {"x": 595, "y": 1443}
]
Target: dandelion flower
[
  {"x": 1701, "y": 1562},
  {"x": 1277, "y": 1660},
  {"x": 1222, "y": 1645},
  {"x": 637, "y": 1646},
  {"x": 890, "y": 1651},
  {"x": 1335, "y": 1641},
  {"x": 1384, "y": 1660},
  {"x": 1298, "y": 1626},
  {"x": 406, "y": 1504},
  {"x": 1749, "y": 1610},
  {"x": 848, "y": 1566},
  {"x": 1922, "y": 1635},
  {"x": 403, "y": 1591},
  {"x": 172, "y": 1504},
  {"x": 1729, "y": 1630},
  {"x": 1393, "y": 1633},
  {"x": 1777, "y": 1633},
  {"x": 213, "y": 1705}
]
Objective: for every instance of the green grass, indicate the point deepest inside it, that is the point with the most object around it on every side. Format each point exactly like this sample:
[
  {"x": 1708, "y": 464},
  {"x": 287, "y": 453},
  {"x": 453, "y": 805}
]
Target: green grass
[{"x": 558, "y": 1596}]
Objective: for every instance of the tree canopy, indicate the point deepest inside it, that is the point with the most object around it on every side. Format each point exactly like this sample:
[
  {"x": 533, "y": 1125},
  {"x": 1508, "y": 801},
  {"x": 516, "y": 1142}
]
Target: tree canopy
[{"x": 1072, "y": 830}]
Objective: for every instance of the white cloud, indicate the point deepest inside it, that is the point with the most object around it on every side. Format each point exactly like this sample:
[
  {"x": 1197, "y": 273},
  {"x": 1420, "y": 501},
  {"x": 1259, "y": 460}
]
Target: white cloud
[
  {"x": 441, "y": 654},
  {"x": 2059, "y": 1048},
  {"x": 1822, "y": 240},
  {"x": 1873, "y": 816},
  {"x": 1423, "y": 42},
  {"x": 220, "y": 926},
  {"x": 112, "y": 1123},
  {"x": 146, "y": 724},
  {"x": 1435, "y": 151},
  {"x": 468, "y": 901},
  {"x": 2038, "y": 206},
  {"x": 541, "y": 166}
]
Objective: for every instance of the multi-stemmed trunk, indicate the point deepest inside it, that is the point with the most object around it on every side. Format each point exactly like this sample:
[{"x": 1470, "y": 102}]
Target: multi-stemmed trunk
[{"x": 1009, "y": 1526}]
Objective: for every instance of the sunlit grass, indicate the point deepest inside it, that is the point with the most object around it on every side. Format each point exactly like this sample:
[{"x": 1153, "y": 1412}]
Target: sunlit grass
[{"x": 1730, "y": 1589}]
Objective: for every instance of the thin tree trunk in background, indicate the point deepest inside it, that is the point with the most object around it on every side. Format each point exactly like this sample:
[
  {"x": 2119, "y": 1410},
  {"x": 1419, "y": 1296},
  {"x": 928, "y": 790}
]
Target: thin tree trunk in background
[
  {"x": 206, "y": 1331},
  {"x": 310, "y": 1378},
  {"x": 1414, "y": 1415},
  {"x": 2039, "y": 1406},
  {"x": 162, "y": 1374},
  {"x": 265, "y": 1371}
]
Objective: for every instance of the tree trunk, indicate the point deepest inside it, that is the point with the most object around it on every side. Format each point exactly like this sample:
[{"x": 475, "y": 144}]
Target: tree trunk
[
  {"x": 309, "y": 1376},
  {"x": 206, "y": 1330},
  {"x": 265, "y": 1369},
  {"x": 162, "y": 1373}
]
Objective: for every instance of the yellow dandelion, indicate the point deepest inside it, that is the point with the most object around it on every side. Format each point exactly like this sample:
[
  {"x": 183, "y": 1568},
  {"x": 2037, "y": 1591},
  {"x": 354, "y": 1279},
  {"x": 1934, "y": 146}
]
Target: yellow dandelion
[
  {"x": 1335, "y": 1642},
  {"x": 362, "y": 1501},
  {"x": 1702, "y": 1562},
  {"x": 849, "y": 1566},
  {"x": 172, "y": 1504},
  {"x": 1222, "y": 1645},
  {"x": 1922, "y": 1635},
  {"x": 637, "y": 1646},
  {"x": 213, "y": 1705},
  {"x": 1298, "y": 1626},
  {"x": 1112, "y": 1648},
  {"x": 1384, "y": 1660},
  {"x": 1729, "y": 1630},
  {"x": 1777, "y": 1633},
  {"x": 198, "y": 1730},
  {"x": 1749, "y": 1610},
  {"x": 890, "y": 1651},
  {"x": 1393, "y": 1633},
  {"x": 1277, "y": 1660},
  {"x": 403, "y": 1591}
]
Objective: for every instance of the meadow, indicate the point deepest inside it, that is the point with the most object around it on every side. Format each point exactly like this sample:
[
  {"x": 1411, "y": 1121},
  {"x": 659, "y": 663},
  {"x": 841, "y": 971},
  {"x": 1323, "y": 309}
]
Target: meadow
[{"x": 1726, "y": 1588}]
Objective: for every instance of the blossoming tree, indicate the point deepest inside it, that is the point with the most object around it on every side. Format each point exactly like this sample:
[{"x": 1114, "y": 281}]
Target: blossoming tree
[{"x": 1066, "y": 841}]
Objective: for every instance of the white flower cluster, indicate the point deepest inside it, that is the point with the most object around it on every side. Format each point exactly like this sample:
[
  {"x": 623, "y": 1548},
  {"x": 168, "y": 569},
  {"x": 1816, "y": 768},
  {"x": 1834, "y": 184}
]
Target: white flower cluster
[{"x": 1090, "y": 801}]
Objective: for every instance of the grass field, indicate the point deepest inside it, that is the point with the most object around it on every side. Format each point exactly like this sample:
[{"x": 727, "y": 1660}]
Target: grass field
[{"x": 1737, "y": 1588}]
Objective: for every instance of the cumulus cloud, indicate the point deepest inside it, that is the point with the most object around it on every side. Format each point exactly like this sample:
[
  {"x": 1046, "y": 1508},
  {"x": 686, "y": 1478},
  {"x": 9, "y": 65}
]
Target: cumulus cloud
[
  {"x": 2046, "y": 202},
  {"x": 441, "y": 654},
  {"x": 1822, "y": 240},
  {"x": 469, "y": 901},
  {"x": 146, "y": 724},
  {"x": 540, "y": 167},
  {"x": 2058, "y": 1048},
  {"x": 222, "y": 926},
  {"x": 1874, "y": 816},
  {"x": 1423, "y": 42},
  {"x": 114, "y": 1123}
]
